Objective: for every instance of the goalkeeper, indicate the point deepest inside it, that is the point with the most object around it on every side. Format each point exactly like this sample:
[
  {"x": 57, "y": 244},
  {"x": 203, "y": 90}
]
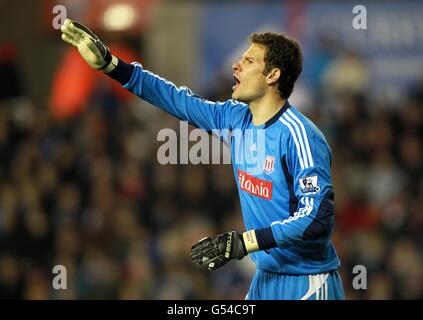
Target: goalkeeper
[{"x": 286, "y": 195}]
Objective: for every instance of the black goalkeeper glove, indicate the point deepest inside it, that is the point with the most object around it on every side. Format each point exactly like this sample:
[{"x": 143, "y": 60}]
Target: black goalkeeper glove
[
  {"x": 216, "y": 251},
  {"x": 91, "y": 48}
]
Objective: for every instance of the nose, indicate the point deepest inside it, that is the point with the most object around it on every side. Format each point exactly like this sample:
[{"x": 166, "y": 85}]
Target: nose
[{"x": 236, "y": 66}]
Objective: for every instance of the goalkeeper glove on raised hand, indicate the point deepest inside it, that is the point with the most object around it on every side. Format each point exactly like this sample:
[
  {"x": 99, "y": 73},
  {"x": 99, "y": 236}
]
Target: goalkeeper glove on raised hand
[
  {"x": 91, "y": 48},
  {"x": 216, "y": 251}
]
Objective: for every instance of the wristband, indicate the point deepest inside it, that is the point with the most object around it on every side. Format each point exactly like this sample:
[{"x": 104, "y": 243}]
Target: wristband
[{"x": 250, "y": 241}]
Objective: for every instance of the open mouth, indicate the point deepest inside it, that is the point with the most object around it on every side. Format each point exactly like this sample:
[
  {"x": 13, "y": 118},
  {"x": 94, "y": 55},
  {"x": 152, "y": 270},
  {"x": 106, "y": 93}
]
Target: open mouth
[{"x": 237, "y": 82}]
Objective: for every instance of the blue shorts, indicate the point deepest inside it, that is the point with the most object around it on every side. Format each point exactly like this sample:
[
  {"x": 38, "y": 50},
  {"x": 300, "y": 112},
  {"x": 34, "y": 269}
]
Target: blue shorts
[{"x": 275, "y": 286}]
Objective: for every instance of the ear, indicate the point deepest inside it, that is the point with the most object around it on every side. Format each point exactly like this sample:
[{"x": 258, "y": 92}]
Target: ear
[{"x": 273, "y": 76}]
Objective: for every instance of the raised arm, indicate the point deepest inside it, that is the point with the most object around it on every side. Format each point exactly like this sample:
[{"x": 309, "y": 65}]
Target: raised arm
[{"x": 180, "y": 102}]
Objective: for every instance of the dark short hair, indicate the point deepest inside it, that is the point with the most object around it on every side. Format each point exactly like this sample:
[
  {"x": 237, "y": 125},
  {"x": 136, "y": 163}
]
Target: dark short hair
[{"x": 284, "y": 53}]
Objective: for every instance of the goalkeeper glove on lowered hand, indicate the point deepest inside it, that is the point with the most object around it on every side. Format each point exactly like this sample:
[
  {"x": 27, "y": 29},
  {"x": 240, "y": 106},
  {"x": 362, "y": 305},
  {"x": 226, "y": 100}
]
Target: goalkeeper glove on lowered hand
[
  {"x": 91, "y": 48},
  {"x": 216, "y": 251}
]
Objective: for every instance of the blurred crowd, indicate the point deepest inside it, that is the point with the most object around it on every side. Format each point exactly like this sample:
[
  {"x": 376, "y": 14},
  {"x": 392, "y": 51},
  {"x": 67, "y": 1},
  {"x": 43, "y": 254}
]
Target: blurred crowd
[{"x": 88, "y": 193}]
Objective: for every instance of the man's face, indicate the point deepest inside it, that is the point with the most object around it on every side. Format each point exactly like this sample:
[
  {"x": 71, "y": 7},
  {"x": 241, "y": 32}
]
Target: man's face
[{"x": 248, "y": 74}]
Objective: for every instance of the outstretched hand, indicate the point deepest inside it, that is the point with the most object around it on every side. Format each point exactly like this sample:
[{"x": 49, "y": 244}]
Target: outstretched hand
[{"x": 90, "y": 47}]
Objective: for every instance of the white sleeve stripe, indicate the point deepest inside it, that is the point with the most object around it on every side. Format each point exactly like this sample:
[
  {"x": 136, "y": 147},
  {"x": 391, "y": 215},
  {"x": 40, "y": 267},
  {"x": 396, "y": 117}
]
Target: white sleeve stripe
[
  {"x": 180, "y": 88},
  {"x": 304, "y": 211},
  {"x": 305, "y": 137},
  {"x": 295, "y": 141},
  {"x": 299, "y": 137}
]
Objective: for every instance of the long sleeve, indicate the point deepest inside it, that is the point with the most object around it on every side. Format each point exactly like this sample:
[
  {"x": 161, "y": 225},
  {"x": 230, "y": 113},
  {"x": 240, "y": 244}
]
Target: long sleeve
[
  {"x": 307, "y": 163},
  {"x": 178, "y": 101}
]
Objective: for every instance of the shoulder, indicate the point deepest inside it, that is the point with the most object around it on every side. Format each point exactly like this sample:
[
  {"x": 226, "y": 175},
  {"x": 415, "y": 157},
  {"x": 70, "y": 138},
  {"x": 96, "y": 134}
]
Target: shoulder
[
  {"x": 297, "y": 125},
  {"x": 236, "y": 104},
  {"x": 238, "y": 112},
  {"x": 303, "y": 138}
]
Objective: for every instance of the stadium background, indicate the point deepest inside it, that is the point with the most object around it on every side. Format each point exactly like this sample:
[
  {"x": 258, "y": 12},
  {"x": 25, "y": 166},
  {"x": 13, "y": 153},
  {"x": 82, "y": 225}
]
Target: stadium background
[{"x": 80, "y": 184}]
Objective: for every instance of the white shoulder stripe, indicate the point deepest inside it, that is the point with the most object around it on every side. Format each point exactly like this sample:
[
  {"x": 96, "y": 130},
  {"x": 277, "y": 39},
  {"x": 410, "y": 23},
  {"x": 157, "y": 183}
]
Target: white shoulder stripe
[
  {"x": 300, "y": 138},
  {"x": 310, "y": 158},
  {"x": 295, "y": 141}
]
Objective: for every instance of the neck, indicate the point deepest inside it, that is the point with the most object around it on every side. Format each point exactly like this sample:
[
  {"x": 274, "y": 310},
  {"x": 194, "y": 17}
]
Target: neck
[{"x": 265, "y": 108}]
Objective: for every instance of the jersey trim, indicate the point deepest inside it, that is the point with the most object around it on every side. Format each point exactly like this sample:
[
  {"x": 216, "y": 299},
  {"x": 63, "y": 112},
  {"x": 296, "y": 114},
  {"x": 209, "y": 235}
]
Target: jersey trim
[
  {"x": 293, "y": 200},
  {"x": 306, "y": 150},
  {"x": 299, "y": 153},
  {"x": 316, "y": 284},
  {"x": 307, "y": 208},
  {"x": 322, "y": 223},
  {"x": 299, "y": 134},
  {"x": 273, "y": 119},
  {"x": 265, "y": 238},
  {"x": 122, "y": 73}
]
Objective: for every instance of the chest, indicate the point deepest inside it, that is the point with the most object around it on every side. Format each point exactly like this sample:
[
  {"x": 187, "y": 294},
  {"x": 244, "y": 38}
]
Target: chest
[{"x": 256, "y": 159}]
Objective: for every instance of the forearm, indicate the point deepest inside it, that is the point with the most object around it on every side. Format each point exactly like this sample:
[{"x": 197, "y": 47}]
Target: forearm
[
  {"x": 178, "y": 101},
  {"x": 312, "y": 221},
  {"x": 151, "y": 88}
]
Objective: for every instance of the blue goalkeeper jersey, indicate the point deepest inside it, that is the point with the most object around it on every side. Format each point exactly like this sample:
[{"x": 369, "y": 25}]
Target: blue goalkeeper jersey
[{"x": 282, "y": 170}]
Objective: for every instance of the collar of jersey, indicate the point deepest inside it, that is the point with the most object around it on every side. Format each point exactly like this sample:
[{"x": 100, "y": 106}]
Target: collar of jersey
[{"x": 273, "y": 119}]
